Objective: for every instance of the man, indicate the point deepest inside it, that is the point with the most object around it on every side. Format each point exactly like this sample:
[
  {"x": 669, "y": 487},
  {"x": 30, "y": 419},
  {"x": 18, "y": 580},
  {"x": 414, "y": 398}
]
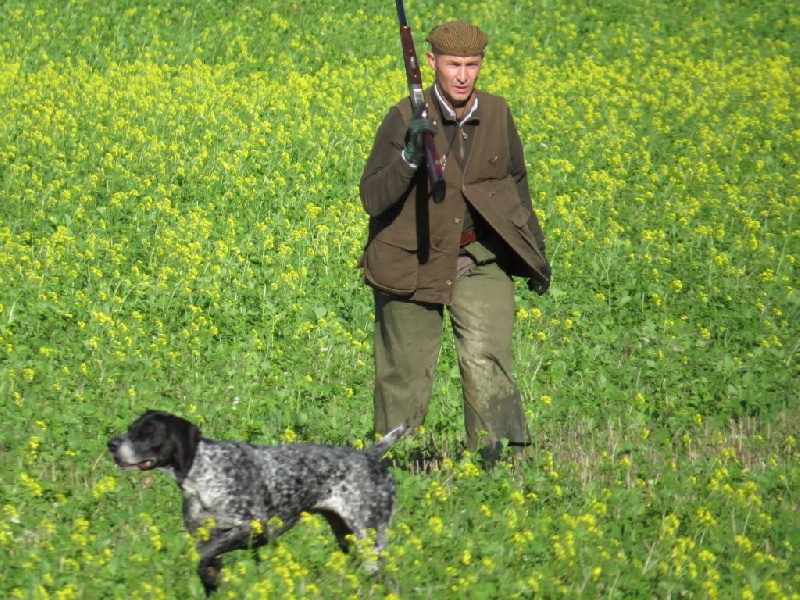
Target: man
[{"x": 461, "y": 254}]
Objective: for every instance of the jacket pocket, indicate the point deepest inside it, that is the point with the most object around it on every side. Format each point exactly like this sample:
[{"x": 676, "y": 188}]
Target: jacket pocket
[{"x": 390, "y": 262}]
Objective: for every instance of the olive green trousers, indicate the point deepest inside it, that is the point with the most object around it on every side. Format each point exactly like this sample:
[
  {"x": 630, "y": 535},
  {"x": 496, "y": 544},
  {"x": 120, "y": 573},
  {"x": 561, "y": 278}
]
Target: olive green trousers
[{"x": 407, "y": 341}]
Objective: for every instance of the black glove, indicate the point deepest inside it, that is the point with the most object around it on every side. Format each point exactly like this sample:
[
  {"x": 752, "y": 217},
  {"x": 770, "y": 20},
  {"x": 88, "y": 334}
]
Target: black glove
[{"x": 414, "y": 152}]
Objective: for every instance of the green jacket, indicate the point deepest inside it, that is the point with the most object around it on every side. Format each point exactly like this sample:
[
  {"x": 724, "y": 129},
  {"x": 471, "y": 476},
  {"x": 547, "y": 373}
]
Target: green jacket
[{"x": 413, "y": 254}]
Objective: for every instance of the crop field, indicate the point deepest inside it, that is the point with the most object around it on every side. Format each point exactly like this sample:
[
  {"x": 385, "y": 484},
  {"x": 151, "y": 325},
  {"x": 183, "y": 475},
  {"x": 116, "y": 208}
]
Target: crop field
[{"x": 180, "y": 226}]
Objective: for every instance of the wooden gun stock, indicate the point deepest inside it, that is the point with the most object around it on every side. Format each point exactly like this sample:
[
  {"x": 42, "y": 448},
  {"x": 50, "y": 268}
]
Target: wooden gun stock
[{"x": 414, "y": 79}]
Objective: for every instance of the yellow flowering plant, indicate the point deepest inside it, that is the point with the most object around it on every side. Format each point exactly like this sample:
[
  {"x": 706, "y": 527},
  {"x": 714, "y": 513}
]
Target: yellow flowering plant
[{"x": 180, "y": 227}]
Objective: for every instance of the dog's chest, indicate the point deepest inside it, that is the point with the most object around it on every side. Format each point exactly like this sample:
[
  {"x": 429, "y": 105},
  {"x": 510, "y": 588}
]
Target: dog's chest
[{"x": 224, "y": 485}]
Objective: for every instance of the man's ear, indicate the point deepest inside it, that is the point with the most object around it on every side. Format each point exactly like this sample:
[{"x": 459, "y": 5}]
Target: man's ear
[{"x": 431, "y": 60}]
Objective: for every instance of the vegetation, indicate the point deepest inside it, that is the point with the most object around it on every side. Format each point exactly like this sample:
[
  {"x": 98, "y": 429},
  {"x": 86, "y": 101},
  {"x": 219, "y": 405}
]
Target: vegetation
[{"x": 179, "y": 229}]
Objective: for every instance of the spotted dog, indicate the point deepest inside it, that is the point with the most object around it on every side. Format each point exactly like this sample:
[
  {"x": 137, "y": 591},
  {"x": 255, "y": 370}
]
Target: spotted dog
[{"x": 235, "y": 486}]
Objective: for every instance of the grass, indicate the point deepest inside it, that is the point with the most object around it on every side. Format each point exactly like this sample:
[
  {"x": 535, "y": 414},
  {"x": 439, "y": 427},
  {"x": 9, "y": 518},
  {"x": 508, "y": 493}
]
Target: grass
[{"x": 179, "y": 229}]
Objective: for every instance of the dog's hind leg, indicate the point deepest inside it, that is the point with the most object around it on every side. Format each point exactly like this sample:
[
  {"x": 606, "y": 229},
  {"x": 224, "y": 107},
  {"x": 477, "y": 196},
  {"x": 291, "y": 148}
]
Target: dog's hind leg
[{"x": 340, "y": 529}]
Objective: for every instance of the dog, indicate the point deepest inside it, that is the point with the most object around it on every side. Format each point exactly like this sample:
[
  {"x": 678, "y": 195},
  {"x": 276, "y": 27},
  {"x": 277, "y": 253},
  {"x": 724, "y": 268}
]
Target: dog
[{"x": 247, "y": 495}]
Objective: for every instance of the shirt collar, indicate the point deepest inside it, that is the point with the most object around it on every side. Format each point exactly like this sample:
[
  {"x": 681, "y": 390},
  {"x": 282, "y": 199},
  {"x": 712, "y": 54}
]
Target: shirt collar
[{"x": 447, "y": 110}]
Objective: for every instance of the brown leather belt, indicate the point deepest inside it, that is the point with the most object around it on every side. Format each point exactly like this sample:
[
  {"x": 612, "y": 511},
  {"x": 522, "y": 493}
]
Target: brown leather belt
[{"x": 467, "y": 238}]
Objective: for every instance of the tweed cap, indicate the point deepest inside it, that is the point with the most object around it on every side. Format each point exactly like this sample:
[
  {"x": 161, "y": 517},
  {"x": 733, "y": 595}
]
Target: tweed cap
[{"x": 458, "y": 38}]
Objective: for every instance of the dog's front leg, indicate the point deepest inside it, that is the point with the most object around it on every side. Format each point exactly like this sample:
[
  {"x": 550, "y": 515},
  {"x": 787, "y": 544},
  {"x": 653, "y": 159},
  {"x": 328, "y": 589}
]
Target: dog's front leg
[
  {"x": 211, "y": 551},
  {"x": 210, "y": 571}
]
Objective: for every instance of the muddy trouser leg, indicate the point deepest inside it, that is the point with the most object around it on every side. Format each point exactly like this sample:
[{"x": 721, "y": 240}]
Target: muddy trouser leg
[
  {"x": 407, "y": 339},
  {"x": 482, "y": 314}
]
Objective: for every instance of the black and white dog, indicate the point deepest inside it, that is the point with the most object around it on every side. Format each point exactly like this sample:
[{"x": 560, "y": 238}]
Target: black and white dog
[{"x": 248, "y": 495}]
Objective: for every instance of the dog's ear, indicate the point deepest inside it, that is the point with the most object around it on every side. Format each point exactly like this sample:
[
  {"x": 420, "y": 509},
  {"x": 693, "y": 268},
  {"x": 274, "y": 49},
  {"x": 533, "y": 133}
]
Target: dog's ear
[{"x": 187, "y": 436}]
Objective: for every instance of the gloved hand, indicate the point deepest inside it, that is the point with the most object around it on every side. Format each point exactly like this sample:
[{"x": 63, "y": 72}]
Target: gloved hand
[
  {"x": 414, "y": 152},
  {"x": 539, "y": 286}
]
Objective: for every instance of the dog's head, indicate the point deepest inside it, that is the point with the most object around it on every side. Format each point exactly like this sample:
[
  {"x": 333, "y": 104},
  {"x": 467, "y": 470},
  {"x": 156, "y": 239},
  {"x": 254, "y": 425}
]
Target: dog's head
[{"x": 157, "y": 440}]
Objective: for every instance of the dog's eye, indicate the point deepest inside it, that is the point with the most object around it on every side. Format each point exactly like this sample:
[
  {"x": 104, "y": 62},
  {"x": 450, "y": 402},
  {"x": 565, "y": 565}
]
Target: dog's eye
[{"x": 147, "y": 430}]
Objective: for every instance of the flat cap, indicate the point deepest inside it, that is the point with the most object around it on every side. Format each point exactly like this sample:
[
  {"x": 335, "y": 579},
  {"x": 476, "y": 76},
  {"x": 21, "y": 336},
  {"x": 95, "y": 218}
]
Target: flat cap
[{"x": 458, "y": 38}]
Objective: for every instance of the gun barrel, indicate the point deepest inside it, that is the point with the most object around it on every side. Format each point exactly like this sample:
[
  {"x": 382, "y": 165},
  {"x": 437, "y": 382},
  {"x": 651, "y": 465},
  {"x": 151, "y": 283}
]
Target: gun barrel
[{"x": 401, "y": 13}]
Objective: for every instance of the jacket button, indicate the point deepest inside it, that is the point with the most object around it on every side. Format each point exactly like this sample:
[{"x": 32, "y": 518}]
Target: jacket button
[
  {"x": 449, "y": 282},
  {"x": 457, "y": 220}
]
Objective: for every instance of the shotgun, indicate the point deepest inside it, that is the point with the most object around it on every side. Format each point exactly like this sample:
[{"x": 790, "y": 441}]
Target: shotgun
[{"x": 418, "y": 104}]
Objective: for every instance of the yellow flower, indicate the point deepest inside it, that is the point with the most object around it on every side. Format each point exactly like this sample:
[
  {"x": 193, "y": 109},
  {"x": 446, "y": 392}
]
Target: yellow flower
[
  {"x": 518, "y": 498},
  {"x": 33, "y": 486},
  {"x": 436, "y": 525},
  {"x": 705, "y": 517},
  {"x": 202, "y": 534},
  {"x": 256, "y": 528},
  {"x": 104, "y": 486},
  {"x": 669, "y": 525}
]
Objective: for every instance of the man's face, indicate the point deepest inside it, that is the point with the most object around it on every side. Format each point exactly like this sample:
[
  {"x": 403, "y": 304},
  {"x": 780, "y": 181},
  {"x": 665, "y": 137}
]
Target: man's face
[{"x": 456, "y": 75}]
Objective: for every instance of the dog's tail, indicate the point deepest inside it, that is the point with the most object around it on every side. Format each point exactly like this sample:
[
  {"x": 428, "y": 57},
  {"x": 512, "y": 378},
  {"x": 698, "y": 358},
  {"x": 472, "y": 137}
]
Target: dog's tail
[{"x": 382, "y": 446}]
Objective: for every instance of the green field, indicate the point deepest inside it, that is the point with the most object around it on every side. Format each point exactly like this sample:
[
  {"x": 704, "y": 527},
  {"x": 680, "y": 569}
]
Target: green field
[{"x": 179, "y": 229}]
